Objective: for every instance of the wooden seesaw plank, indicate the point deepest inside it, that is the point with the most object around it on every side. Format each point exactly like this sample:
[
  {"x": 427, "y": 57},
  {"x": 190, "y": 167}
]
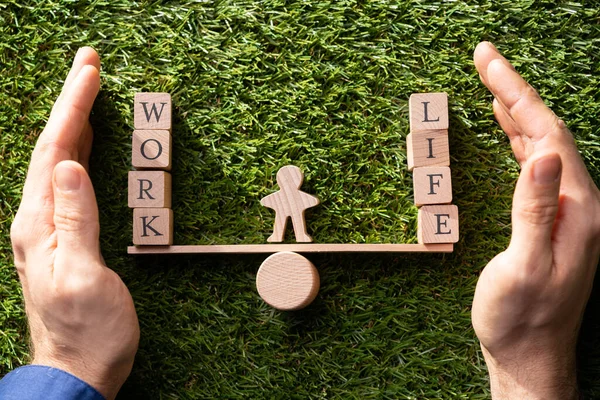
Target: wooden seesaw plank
[{"x": 296, "y": 247}]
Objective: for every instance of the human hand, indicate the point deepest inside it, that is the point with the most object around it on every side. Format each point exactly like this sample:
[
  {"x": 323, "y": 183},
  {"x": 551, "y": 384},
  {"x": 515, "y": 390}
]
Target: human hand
[
  {"x": 530, "y": 299},
  {"x": 81, "y": 315}
]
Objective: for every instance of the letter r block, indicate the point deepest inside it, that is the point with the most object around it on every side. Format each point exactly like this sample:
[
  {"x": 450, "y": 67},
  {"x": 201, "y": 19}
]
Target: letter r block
[
  {"x": 427, "y": 149},
  {"x": 152, "y": 226},
  {"x": 432, "y": 185},
  {"x": 149, "y": 189},
  {"x": 438, "y": 224},
  {"x": 151, "y": 149},
  {"x": 428, "y": 111},
  {"x": 152, "y": 111}
]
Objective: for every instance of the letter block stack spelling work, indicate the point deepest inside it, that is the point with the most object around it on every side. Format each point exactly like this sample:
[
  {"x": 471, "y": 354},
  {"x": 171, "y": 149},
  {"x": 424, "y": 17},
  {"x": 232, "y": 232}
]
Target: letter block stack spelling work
[
  {"x": 150, "y": 184},
  {"x": 428, "y": 156}
]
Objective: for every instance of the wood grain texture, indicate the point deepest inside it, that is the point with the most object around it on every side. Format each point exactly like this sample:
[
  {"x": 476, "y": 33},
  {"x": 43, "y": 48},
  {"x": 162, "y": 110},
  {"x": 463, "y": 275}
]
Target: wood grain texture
[
  {"x": 432, "y": 185},
  {"x": 152, "y": 226},
  {"x": 428, "y": 111},
  {"x": 287, "y": 281},
  {"x": 427, "y": 149},
  {"x": 438, "y": 224},
  {"x": 295, "y": 247},
  {"x": 152, "y": 111},
  {"x": 151, "y": 149},
  {"x": 149, "y": 189},
  {"x": 289, "y": 202}
]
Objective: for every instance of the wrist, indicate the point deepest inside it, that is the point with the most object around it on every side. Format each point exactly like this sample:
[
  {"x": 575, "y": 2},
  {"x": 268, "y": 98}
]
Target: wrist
[
  {"x": 532, "y": 376},
  {"x": 104, "y": 381}
]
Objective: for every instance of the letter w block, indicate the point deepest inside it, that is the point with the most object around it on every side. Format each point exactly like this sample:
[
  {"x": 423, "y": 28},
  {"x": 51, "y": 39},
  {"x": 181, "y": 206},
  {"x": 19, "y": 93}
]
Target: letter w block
[{"x": 152, "y": 111}]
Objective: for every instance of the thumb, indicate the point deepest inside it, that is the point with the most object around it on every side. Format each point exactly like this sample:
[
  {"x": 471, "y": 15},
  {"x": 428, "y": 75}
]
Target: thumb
[
  {"x": 75, "y": 209},
  {"x": 535, "y": 204}
]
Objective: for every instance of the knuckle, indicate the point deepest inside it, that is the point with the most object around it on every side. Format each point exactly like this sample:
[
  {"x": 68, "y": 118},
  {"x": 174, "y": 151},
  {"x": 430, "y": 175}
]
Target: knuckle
[
  {"x": 69, "y": 220},
  {"x": 538, "y": 211}
]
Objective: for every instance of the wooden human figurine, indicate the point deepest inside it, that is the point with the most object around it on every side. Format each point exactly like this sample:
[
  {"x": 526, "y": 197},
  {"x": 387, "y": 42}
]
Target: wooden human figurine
[{"x": 289, "y": 201}]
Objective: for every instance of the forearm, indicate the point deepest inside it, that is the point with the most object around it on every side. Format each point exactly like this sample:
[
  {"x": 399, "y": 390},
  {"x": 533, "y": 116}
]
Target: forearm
[{"x": 533, "y": 377}]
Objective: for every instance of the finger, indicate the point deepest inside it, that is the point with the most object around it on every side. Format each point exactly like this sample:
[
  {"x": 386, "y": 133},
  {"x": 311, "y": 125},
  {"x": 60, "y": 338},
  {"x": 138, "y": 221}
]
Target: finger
[
  {"x": 484, "y": 53},
  {"x": 535, "y": 206},
  {"x": 518, "y": 143},
  {"x": 535, "y": 121},
  {"x": 85, "y": 147},
  {"x": 75, "y": 211},
  {"x": 85, "y": 56},
  {"x": 59, "y": 142}
]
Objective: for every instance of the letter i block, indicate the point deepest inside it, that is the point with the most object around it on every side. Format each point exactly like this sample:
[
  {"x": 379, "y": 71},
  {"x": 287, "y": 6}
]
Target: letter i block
[
  {"x": 152, "y": 111},
  {"x": 432, "y": 185},
  {"x": 428, "y": 111},
  {"x": 149, "y": 189},
  {"x": 151, "y": 149},
  {"x": 427, "y": 149},
  {"x": 438, "y": 224},
  {"x": 153, "y": 226}
]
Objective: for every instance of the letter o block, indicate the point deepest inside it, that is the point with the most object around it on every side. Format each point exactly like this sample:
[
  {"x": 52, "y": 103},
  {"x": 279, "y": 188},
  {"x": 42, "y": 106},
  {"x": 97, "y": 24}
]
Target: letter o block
[
  {"x": 438, "y": 224},
  {"x": 153, "y": 226},
  {"x": 149, "y": 189},
  {"x": 151, "y": 149}
]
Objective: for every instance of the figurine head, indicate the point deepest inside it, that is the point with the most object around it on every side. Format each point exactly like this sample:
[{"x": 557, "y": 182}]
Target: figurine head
[{"x": 291, "y": 174}]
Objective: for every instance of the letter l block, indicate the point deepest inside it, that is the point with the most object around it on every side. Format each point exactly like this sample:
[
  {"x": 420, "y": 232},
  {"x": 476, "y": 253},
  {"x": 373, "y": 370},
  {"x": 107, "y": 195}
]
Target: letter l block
[
  {"x": 153, "y": 226},
  {"x": 438, "y": 224}
]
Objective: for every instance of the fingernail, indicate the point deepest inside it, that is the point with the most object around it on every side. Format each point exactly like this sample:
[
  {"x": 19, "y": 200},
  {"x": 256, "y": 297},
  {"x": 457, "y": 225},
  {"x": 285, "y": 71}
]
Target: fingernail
[
  {"x": 547, "y": 170},
  {"x": 67, "y": 178}
]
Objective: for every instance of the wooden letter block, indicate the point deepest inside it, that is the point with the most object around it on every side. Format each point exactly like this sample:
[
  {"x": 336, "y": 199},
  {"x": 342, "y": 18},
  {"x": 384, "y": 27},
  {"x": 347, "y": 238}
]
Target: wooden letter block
[
  {"x": 438, "y": 224},
  {"x": 432, "y": 185},
  {"x": 152, "y": 226},
  {"x": 151, "y": 149},
  {"x": 149, "y": 189},
  {"x": 427, "y": 149},
  {"x": 152, "y": 111},
  {"x": 428, "y": 111}
]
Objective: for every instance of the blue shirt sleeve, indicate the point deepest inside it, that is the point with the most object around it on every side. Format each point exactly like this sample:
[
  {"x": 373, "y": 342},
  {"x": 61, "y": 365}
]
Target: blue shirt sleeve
[{"x": 38, "y": 382}]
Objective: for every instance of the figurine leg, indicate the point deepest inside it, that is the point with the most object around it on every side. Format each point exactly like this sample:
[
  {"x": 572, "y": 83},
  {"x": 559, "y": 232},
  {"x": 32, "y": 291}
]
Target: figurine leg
[
  {"x": 278, "y": 229},
  {"x": 300, "y": 229}
]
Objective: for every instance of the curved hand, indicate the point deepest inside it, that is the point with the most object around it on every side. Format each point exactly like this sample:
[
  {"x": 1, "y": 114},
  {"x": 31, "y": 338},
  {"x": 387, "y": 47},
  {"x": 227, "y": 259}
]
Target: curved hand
[
  {"x": 81, "y": 315},
  {"x": 530, "y": 299}
]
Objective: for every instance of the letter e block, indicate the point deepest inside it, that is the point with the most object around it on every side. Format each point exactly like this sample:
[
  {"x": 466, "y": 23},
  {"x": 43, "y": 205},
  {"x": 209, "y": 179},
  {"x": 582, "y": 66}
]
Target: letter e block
[
  {"x": 438, "y": 224},
  {"x": 432, "y": 185},
  {"x": 152, "y": 226},
  {"x": 152, "y": 111},
  {"x": 428, "y": 111},
  {"x": 151, "y": 149},
  {"x": 427, "y": 149},
  {"x": 149, "y": 189}
]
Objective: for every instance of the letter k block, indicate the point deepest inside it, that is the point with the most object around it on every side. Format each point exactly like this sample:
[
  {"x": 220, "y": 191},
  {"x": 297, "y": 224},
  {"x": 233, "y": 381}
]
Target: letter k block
[{"x": 153, "y": 226}]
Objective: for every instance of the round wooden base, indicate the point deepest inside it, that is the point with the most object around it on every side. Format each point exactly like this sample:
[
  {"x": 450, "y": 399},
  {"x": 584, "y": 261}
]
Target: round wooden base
[{"x": 287, "y": 281}]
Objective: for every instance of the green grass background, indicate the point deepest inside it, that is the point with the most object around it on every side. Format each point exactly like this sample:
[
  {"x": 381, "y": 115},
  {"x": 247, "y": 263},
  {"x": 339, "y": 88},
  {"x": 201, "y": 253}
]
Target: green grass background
[{"x": 323, "y": 85}]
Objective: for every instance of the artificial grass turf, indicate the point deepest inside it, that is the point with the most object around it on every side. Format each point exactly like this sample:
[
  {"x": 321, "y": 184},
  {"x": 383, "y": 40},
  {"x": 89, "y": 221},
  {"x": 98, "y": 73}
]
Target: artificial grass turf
[{"x": 325, "y": 86}]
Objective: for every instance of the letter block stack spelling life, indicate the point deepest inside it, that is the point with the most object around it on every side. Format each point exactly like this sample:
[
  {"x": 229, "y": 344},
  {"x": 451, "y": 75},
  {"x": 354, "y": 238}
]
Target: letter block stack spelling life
[
  {"x": 428, "y": 156},
  {"x": 150, "y": 183}
]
